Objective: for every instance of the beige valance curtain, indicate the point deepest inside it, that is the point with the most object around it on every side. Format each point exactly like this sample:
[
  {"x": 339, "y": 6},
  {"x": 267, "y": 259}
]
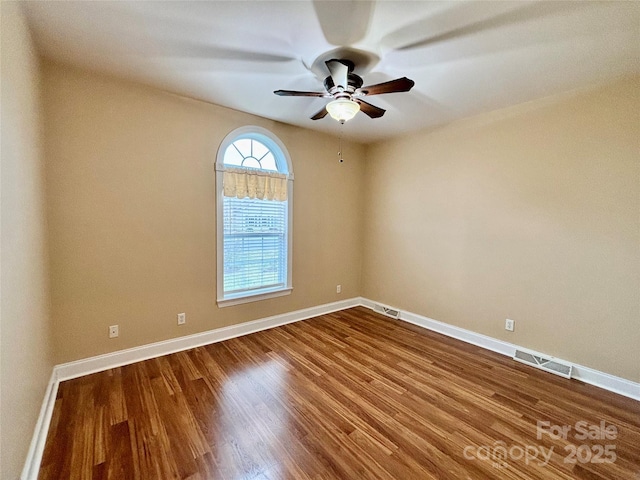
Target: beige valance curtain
[{"x": 242, "y": 183}]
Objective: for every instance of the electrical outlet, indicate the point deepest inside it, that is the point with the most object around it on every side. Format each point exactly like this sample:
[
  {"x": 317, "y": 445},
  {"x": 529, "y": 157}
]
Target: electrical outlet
[
  {"x": 182, "y": 318},
  {"x": 338, "y": 288},
  {"x": 509, "y": 325},
  {"x": 113, "y": 331}
]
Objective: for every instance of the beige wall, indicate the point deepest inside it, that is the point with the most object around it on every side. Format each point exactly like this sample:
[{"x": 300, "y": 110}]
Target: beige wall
[
  {"x": 25, "y": 360},
  {"x": 531, "y": 213},
  {"x": 131, "y": 210}
]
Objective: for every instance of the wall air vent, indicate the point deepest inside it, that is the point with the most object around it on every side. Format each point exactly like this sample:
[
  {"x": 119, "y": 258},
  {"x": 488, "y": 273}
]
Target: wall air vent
[
  {"x": 547, "y": 364},
  {"x": 389, "y": 312}
]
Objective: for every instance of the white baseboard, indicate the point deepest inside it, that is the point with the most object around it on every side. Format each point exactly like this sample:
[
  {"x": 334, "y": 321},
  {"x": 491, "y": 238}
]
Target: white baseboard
[
  {"x": 614, "y": 384},
  {"x": 458, "y": 333},
  {"x": 99, "y": 363},
  {"x": 36, "y": 448},
  {"x": 79, "y": 368},
  {"x": 588, "y": 375}
]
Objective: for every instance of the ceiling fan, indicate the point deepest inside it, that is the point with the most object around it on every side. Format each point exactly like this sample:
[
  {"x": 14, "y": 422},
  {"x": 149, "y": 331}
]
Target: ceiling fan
[{"x": 345, "y": 87}]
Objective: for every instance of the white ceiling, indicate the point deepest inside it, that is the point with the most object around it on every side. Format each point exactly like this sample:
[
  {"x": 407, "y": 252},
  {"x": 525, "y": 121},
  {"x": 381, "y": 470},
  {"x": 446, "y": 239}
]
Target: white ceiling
[{"x": 465, "y": 57}]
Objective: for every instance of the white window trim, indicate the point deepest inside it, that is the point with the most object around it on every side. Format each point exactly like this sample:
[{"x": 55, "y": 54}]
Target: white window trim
[{"x": 272, "y": 142}]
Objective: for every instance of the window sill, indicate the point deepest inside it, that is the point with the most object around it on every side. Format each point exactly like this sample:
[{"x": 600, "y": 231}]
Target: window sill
[{"x": 255, "y": 297}]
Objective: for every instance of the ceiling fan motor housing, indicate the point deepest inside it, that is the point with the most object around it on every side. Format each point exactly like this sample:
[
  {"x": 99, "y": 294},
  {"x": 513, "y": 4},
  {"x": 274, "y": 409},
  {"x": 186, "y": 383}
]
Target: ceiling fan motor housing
[{"x": 354, "y": 82}]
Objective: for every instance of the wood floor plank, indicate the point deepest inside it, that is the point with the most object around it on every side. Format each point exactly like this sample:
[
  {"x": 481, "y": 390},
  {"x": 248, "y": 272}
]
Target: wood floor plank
[{"x": 348, "y": 395}]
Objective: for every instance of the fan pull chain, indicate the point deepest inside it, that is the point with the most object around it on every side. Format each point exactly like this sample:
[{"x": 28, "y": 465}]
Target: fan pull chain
[{"x": 340, "y": 159}]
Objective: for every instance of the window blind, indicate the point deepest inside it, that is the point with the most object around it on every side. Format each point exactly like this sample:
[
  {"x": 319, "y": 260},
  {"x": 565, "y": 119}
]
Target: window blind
[{"x": 255, "y": 244}]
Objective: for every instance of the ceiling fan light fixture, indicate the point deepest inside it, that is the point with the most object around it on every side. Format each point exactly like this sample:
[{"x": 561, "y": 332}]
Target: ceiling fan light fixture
[{"x": 343, "y": 109}]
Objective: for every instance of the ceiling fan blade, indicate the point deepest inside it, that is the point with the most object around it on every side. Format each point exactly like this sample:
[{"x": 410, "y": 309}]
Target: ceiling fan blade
[
  {"x": 398, "y": 85},
  {"x": 345, "y": 23},
  {"x": 339, "y": 72},
  {"x": 368, "y": 109},
  {"x": 320, "y": 114},
  {"x": 462, "y": 19},
  {"x": 196, "y": 50},
  {"x": 295, "y": 93}
]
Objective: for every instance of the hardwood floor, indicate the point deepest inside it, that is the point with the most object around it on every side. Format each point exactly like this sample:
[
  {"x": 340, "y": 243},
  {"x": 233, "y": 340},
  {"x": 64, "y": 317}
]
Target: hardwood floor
[{"x": 350, "y": 395}]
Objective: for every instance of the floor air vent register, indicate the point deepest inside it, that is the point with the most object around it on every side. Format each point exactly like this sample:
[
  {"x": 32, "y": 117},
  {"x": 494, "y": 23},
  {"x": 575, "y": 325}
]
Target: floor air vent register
[
  {"x": 389, "y": 312},
  {"x": 547, "y": 364}
]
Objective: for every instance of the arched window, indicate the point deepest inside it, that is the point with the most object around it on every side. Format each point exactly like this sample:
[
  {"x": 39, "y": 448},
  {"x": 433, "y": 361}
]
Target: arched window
[{"x": 254, "y": 187}]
